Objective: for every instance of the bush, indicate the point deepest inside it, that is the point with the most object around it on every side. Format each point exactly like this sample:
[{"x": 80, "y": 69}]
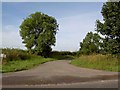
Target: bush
[
  {"x": 62, "y": 55},
  {"x": 15, "y": 54}
]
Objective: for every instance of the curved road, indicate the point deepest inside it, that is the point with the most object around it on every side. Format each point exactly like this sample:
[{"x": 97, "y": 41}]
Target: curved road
[{"x": 60, "y": 74}]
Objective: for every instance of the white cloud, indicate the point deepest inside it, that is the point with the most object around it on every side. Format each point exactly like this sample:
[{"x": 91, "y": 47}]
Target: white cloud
[
  {"x": 0, "y": 38},
  {"x": 11, "y": 37},
  {"x": 73, "y": 30},
  {"x": 0, "y": 24}
]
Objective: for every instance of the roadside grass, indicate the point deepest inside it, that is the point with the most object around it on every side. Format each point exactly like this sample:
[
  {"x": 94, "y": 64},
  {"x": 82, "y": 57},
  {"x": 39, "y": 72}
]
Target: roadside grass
[
  {"x": 19, "y": 65},
  {"x": 100, "y": 62}
]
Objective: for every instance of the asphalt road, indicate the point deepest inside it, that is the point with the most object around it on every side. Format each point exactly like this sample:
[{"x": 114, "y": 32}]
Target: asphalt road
[
  {"x": 60, "y": 74},
  {"x": 94, "y": 84}
]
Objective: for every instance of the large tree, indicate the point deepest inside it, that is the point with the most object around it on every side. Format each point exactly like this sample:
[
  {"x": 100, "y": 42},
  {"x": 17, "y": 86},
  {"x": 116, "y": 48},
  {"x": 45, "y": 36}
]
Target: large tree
[
  {"x": 110, "y": 27},
  {"x": 91, "y": 44},
  {"x": 38, "y": 32}
]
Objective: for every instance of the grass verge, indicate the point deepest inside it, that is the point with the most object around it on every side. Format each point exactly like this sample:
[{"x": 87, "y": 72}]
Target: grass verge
[
  {"x": 100, "y": 62},
  {"x": 19, "y": 65}
]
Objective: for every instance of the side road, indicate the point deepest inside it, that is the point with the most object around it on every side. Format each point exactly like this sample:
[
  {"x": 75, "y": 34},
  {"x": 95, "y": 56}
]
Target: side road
[{"x": 56, "y": 72}]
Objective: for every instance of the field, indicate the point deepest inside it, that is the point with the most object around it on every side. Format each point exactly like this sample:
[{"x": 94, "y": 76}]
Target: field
[{"x": 100, "y": 62}]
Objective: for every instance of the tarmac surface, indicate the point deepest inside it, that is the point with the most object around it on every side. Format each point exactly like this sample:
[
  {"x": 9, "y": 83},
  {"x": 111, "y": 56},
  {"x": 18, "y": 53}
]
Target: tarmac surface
[{"x": 60, "y": 74}]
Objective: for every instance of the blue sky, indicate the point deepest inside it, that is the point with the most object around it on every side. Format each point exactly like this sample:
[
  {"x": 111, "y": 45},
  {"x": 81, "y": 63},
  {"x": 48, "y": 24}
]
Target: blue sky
[
  {"x": 0, "y": 25},
  {"x": 53, "y": 0},
  {"x": 74, "y": 19}
]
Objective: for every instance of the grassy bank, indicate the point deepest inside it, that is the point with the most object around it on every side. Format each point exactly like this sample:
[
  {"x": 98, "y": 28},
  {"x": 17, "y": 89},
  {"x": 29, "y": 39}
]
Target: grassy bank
[
  {"x": 18, "y": 60},
  {"x": 19, "y": 65},
  {"x": 100, "y": 62}
]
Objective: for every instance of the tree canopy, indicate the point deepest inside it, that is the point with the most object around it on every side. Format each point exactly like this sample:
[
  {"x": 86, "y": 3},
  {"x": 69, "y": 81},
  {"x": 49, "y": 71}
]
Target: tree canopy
[
  {"x": 38, "y": 32},
  {"x": 91, "y": 44},
  {"x": 110, "y": 28}
]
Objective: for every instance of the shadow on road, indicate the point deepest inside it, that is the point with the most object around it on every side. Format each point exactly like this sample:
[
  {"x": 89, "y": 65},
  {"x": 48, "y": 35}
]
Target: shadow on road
[{"x": 22, "y": 80}]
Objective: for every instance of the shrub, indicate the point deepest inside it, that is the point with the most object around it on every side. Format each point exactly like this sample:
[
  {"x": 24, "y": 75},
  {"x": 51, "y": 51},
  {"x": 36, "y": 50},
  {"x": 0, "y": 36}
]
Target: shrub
[{"x": 15, "y": 54}]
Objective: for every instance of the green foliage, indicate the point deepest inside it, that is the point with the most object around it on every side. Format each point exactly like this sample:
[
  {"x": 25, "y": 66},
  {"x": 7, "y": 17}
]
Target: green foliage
[
  {"x": 18, "y": 60},
  {"x": 38, "y": 32},
  {"x": 91, "y": 44},
  {"x": 100, "y": 62},
  {"x": 62, "y": 55},
  {"x": 15, "y": 54},
  {"x": 110, "y": 28}
]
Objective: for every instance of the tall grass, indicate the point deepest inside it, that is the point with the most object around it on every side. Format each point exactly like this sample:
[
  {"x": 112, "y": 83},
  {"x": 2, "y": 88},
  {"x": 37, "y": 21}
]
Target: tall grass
[{"x": 101, "y": 62}]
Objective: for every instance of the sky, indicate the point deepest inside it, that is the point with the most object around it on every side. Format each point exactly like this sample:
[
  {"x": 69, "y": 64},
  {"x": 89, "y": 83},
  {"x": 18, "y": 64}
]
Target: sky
[
  {"x": 0, "y": 25},
  {"x": 54, "y": 0},
  {"x": 75, "y": 20}
]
